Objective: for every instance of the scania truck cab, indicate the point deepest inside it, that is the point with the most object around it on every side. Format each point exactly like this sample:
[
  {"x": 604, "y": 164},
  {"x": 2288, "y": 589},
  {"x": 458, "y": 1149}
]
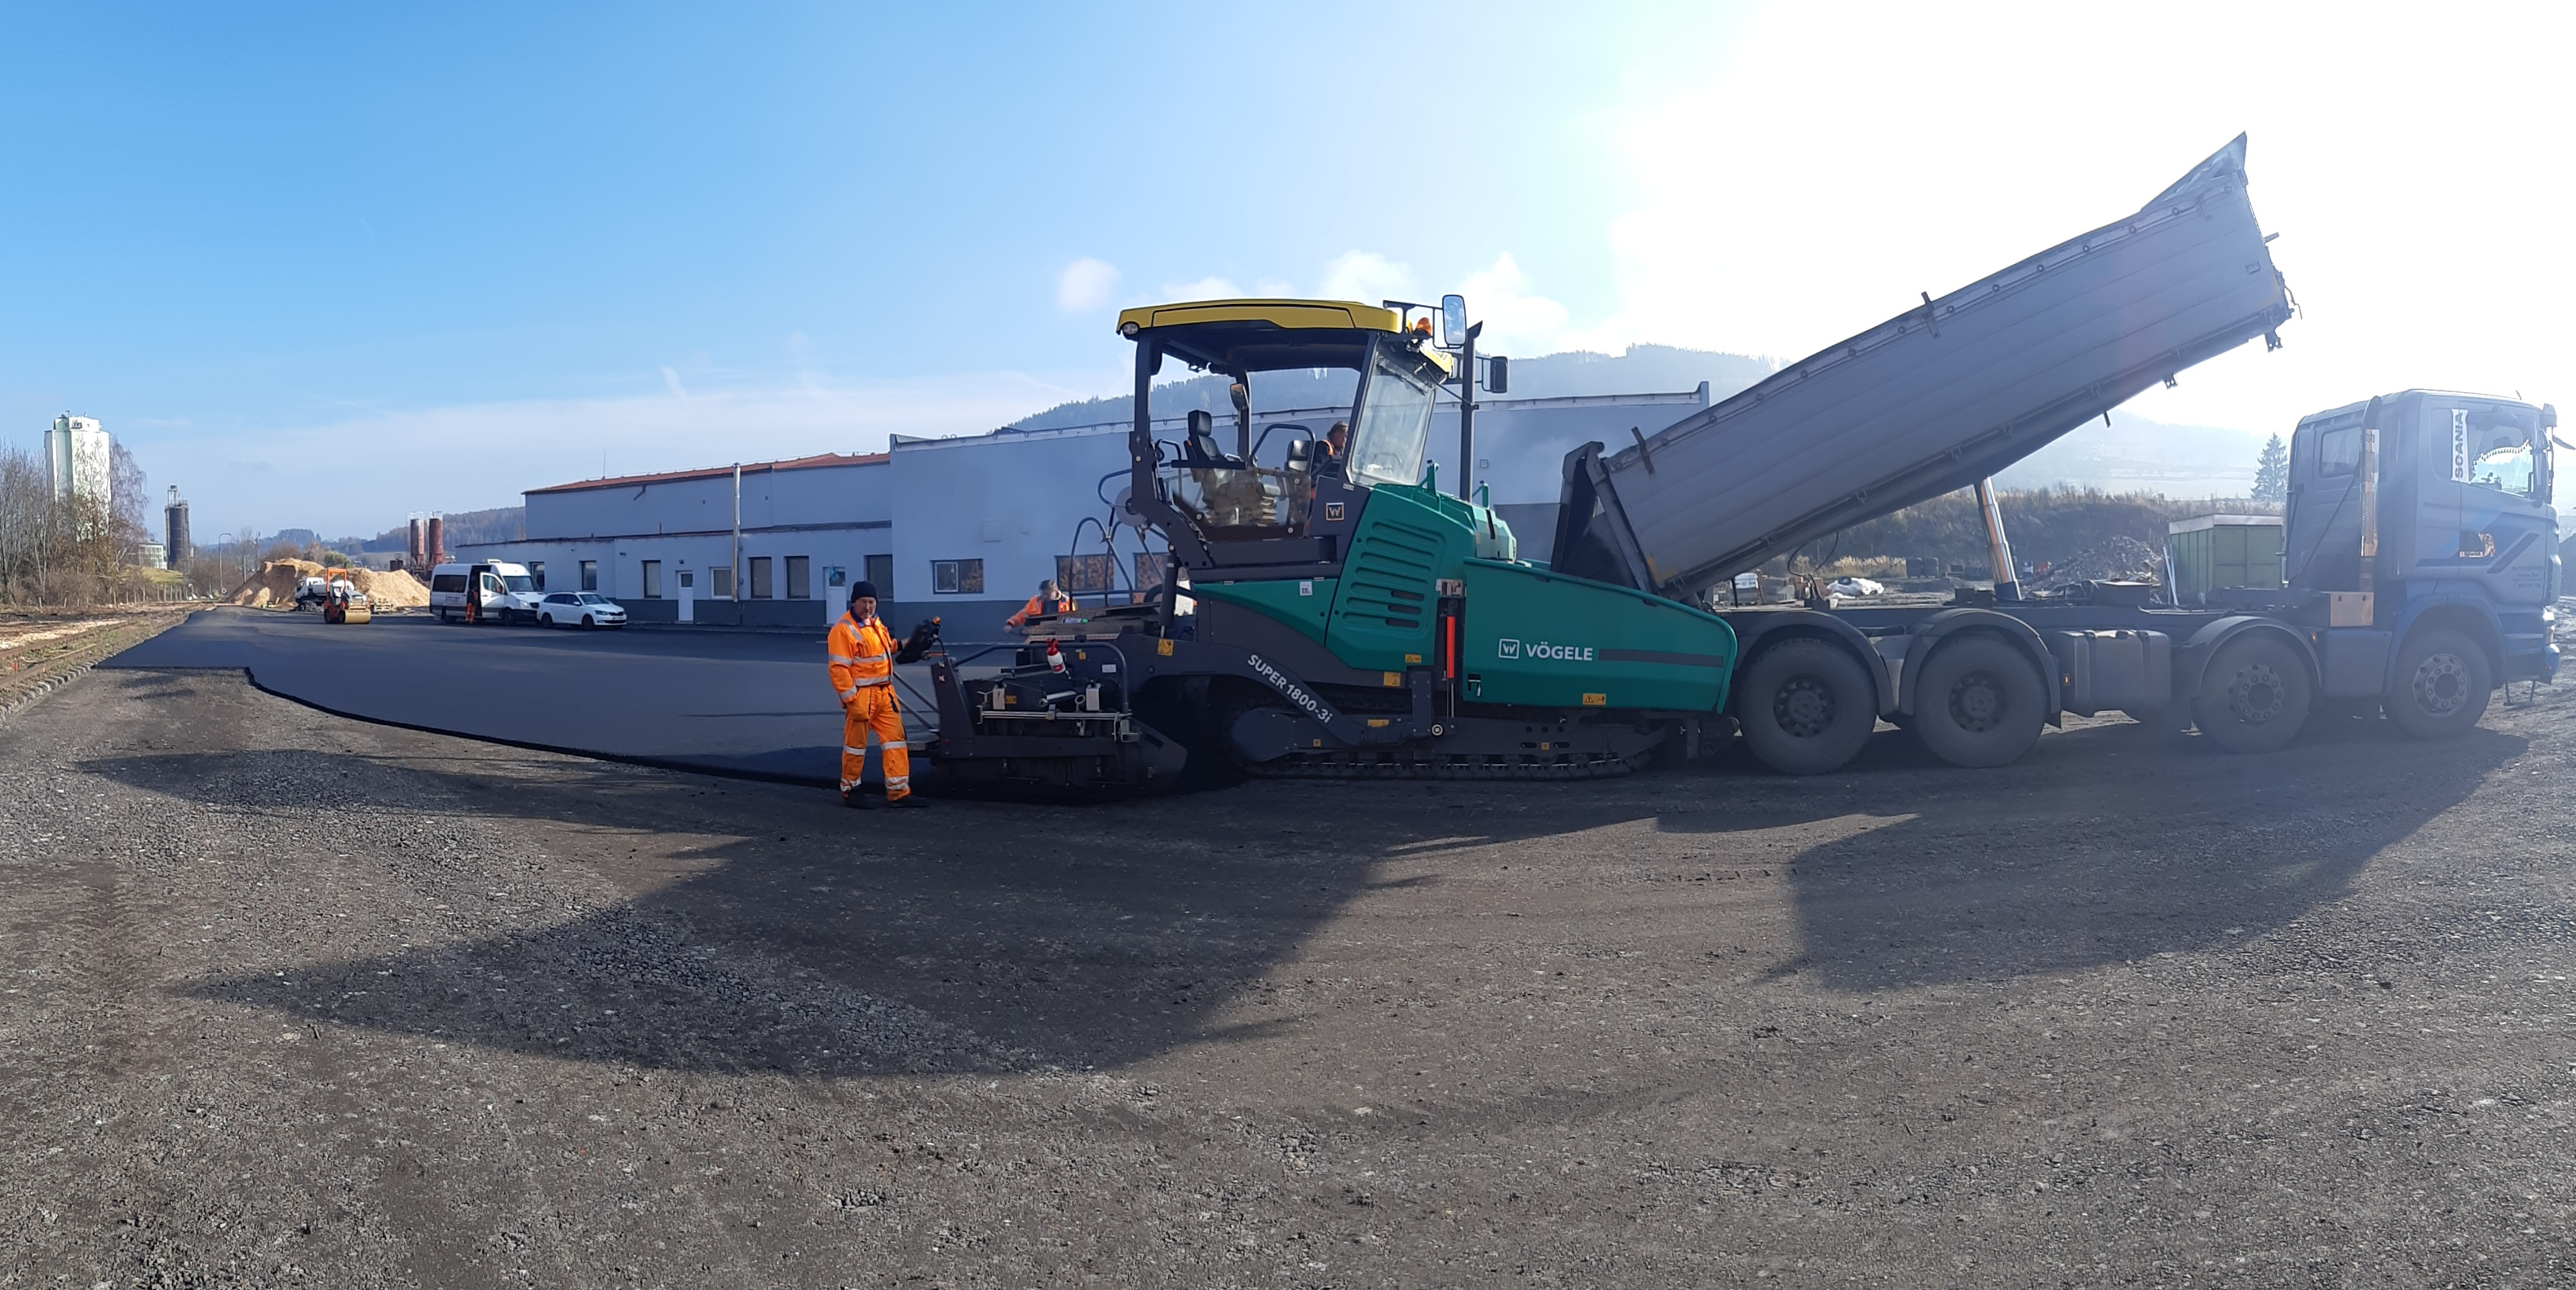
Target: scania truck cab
[{"x": 2423, "y": 523}]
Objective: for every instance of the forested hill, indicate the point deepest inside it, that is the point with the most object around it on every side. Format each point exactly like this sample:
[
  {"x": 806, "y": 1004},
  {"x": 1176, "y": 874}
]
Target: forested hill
[{"x": 499, "y": 524}]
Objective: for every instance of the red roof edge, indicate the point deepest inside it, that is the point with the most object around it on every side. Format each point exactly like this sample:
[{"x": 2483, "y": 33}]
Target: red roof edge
[{"x": 817, "y": 462}]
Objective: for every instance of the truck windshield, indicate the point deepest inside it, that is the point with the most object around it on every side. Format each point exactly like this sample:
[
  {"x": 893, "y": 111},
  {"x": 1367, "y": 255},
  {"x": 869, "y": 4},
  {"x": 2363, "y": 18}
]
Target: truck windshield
[
  {"x": 519, "y": 582},
  {"x": 1392, "y": 425},
  {"x": 2507, "y": 468}
]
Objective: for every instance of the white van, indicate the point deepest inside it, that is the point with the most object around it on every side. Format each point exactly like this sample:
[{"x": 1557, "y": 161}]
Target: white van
[{"x": 484, "y": 592}]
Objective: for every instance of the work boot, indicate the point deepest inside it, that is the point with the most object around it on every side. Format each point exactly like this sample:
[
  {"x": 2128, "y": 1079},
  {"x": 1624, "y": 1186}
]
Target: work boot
[
  {"x": 908, "y": 799},
  {"x": 857, "y": 800}
]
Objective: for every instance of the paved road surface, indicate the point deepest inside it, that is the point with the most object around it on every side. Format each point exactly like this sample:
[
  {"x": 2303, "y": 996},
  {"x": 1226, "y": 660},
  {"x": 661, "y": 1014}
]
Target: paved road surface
[{"x": 754, "y": 703}]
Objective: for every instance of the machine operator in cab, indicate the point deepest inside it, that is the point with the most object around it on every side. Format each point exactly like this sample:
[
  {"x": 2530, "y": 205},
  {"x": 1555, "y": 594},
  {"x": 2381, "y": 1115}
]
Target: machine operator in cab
[{"x": 862, "y": 657}]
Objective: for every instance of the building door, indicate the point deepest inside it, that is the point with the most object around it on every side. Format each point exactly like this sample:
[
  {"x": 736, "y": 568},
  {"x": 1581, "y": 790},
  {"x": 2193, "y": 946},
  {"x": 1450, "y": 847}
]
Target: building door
[{"x": 688, "y": 595}]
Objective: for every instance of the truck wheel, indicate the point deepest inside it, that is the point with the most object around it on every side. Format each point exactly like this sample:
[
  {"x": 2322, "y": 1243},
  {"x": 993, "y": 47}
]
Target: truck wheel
[
  {"x": 1977, "y": 703},
  {"x": 2442, "y": 685},
  {"x": 1806, "y": 706},
  {"x": 2254, "y": 697}
]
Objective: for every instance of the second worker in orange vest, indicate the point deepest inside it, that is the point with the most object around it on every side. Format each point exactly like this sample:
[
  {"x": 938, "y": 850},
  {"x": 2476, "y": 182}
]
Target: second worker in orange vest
[
  {"x": 1049, "y": 600},
  {"x": 861, "y": 653}
]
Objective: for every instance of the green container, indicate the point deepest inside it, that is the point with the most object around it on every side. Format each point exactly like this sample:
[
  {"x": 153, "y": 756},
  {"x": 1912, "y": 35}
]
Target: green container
[{"x": 2214, "y": 551}]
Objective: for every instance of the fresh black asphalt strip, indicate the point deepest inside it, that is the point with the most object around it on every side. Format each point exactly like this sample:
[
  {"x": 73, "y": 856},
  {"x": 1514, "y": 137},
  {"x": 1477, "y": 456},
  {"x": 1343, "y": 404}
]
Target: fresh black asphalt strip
[{"x": 746, "y": 704}]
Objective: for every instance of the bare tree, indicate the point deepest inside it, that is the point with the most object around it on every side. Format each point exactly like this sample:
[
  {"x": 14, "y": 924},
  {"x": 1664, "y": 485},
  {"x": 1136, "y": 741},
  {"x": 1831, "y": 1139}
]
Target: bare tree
[{"x": 68, "y": 550}]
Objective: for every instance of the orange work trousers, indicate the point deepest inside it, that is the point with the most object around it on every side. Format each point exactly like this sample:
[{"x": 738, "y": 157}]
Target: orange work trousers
[{"x": 873, "y": 713}]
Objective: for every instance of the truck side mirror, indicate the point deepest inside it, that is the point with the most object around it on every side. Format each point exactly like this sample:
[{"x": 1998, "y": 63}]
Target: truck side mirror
[
  {"x": 1498, "y": 375},
  {"x": 1453, "y": 321}
]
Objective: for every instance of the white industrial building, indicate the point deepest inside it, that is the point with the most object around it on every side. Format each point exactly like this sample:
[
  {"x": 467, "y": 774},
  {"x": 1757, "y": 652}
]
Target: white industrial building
[
  {"x": 77, "y": 459},
  {"x": 964, "y": 527}
]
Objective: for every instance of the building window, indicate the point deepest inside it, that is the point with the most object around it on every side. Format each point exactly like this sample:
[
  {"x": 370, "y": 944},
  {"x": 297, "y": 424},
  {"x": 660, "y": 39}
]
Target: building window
[
  {"x": 537, "y": 573},
  {"x": 956, "y": 577},
  {"x": 800, "y": 577},
  {"x": 760, "y": 577},
  {"x": 1085, "y": 574},
  {"x": 720, "y": 583},
  {"x": 880, "y": 574},
  {"x": 652, "y": 580},
  {"x": 590, "y": 575}
]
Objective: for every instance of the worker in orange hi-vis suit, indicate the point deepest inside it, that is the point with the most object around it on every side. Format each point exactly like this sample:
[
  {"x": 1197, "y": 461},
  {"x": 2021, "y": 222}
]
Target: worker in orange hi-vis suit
[
  {"x": 1049, "y": 600},
  {"x": 861, "y": 653}
]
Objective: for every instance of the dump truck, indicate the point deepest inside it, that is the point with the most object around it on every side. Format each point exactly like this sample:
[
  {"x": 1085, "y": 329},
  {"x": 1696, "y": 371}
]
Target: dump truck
[{"x": 2420, "y": 538}]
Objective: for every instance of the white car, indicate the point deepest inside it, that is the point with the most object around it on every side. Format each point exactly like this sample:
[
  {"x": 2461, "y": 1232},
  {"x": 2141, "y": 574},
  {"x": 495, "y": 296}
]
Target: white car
[
  {"x": 579, "y": 608},
  {"x": 1854, "y": 587}
]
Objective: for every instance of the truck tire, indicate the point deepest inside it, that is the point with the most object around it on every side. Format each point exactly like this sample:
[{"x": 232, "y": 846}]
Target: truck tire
[
  {"x": 1806, "y": 706},
  {"x": 2254, "y": 697},
  {"x": 2442, "y": 685},
  {"x": 1977, "y": 703}
]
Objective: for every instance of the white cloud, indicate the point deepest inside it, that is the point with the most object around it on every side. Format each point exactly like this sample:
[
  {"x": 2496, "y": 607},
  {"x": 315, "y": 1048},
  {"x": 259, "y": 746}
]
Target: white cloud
[
  {"x": 671, "y": 382},
  {"x": 1085, "y": 285},
  {"x": 1368, "y": 277},
  {"x": 1811, "y": 178},
  {"x": 486, "y": 453},
  {"x": 1210, "y": 288},
  {"x": 1517, "y": 320}
]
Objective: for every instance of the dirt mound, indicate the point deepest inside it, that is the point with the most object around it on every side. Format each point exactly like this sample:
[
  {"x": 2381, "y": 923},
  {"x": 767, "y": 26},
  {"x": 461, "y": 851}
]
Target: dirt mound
[
  {"x": 391, "y": 590},
  {"x": 273, "y": 587},
  {"x": 2122, "y": 559}
]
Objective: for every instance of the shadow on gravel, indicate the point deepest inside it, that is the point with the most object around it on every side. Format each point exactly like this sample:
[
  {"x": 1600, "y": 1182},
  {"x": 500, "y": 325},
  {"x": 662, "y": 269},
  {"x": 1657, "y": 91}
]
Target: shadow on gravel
[
  {"x": 970, "y": 938},
  {"x": 814, "y": 940},
  {"x": 2128, "y": 845}
]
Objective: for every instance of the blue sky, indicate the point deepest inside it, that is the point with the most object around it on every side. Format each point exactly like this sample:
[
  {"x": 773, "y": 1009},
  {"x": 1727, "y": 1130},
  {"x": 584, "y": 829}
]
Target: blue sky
[{"x": 634, "y": 237}]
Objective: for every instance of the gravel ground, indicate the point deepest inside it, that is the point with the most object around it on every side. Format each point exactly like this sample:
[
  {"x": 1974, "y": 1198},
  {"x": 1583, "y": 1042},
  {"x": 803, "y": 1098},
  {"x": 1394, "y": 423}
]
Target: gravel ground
[{"x": 291, "y": 999}]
